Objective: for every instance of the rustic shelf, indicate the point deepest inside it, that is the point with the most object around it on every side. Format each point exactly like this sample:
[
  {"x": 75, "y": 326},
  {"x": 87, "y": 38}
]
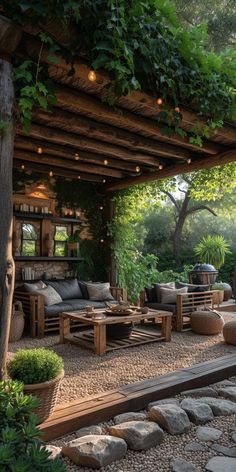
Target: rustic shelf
[
  {"x": 48, "y": 259},
  {"x": 45, "y": 216}
]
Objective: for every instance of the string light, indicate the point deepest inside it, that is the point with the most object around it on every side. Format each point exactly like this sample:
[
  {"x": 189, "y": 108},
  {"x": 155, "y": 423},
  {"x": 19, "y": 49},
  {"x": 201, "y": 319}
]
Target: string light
[
  {"x": 101, "y": 240},
  {"x": 22, "y": 166},
  {"x": 105, "y": 162},
  {"x": 92, "y": 76},
  {"x": 177, "y": 109},
  {"x": 76, "y": 156},
  {"x": 101, "y": 208},
  {"x": 189, "y": 160},
  {"x": 104, "y": 181},
  {"x": 137, "y": 169},
  {"x": 159, "y": 101},
  {"x": 51, "y": 173},
  {"x": 78, "y": 177},
  {"x": 160, "y": 167},
  {"x": 40, "y": 150}
]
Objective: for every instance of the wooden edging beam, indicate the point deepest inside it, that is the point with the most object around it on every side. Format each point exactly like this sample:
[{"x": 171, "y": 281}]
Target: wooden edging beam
[
  {"x": 133, "y": 397},
  {"x": 171, "y": 170}
]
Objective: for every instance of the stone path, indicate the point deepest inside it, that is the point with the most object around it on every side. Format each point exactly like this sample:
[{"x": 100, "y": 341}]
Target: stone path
[{"x": 191, "y": 417}]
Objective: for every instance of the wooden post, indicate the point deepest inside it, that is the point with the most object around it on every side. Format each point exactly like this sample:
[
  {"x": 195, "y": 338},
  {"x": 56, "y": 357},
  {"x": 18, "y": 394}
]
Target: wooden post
[
  {"x": 110, "y": 210},
  {"x": 7, "y": 44}
]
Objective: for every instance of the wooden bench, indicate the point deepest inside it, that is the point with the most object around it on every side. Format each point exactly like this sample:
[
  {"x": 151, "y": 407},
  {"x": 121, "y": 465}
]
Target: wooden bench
[{"x": 39, "y": 322}]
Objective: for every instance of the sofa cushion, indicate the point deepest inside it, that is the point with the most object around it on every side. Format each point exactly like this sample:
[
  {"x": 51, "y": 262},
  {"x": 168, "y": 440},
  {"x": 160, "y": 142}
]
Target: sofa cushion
[
  {"x": 151, "y": 294},
  {"x": 162, "y": 306},
  {"x": 71, "y": 305},
  {"x": 51, "y": 296},
  {"x": 169, "y": 285},
  {"x": 67, "y": 289},
  {"x": 168, "y": 295},
  {"x": 34, "y": 286},
  {"x": 193, "y": 288},
  {"x": 99, "y": 291},
  {"x": 84, "y": 290}
]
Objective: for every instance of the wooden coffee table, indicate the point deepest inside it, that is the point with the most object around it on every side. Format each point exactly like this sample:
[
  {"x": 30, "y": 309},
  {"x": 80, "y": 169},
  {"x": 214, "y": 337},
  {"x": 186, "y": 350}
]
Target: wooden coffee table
[{"x": 96, "y": 339}]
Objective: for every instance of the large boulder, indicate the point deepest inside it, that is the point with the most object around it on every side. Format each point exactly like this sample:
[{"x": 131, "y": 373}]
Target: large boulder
[
  {"x": 95, "y": 451},
  {"x": 172, "y": 418},
  {"x": 138, "y": 434},
  {"x": 198, "y": 412}
]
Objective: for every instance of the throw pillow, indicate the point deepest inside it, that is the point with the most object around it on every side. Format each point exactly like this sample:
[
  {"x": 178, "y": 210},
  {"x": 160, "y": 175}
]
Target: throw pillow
[
  {"x": 35, "y": 286},
  {"x": 169, "y": 285},
  {"x": 99, "y": 291},
  {"x": 67, "y": 289},
  {"x": 83, "y": 288},
  {"x": 193, "y": 288},
  {"x": 151, "y": 295},
  {"x": 51, "y": 297},
  {"x": 169, "y": 295}
]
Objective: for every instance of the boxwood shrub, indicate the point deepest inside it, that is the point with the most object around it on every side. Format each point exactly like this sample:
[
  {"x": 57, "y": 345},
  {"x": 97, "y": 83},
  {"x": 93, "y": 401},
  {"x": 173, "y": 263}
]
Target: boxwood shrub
[{"x": 32, "y": 366}]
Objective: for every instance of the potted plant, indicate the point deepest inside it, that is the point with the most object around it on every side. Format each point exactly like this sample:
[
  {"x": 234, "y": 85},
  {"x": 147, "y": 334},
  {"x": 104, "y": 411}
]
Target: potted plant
[
  {"x": 40, "y": 370},
  {"x": 212, "y": 250},
  {"x": 218, "y": 297},
  {"x": 73, "y": 243}
]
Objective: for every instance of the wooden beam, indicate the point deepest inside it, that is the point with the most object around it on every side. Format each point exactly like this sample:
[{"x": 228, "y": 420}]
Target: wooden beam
[
  {"x": 219, "y": 160},
  {"x": 80, "y": 81},
  {"x": 45, "y": 169},
  {"x": 32, "y": 145},
  {"x": 51, "y": 135},
  {"x": 68, "y": 163},
  {"x": 75, "y": 123}
]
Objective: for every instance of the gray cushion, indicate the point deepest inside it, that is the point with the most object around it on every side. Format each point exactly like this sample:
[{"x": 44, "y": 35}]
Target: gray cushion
[
  {"x": 168, "y": 295},
  {"x": 34, "y": 286},
  {"x": 162, "y": 306},
  {"x": 67, "y": 289},
  {"x": 84, "y": 290},
  {"x": 170, "y": 285},
  {"x": 71, "y": 305},
  {"x": 99, "y": 291},
  {"x": 51, "y": 296},
  {"x": 193, "y": 288}
]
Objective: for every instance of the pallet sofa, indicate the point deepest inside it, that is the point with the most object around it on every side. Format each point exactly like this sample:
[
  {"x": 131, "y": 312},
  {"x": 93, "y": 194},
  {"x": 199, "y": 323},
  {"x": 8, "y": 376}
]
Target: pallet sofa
[
  {"x": 43, "y": 319},
  {"x": 196, "y": 298}
]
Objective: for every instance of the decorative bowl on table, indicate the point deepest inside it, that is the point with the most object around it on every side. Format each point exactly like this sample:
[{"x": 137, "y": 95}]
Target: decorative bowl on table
[{"x": 119, "y": 310}]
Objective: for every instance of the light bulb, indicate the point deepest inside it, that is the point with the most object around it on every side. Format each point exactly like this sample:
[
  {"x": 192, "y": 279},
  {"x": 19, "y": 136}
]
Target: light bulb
[
  {"x": 160, "y": 167},
  {"x": 137, "y": 169},
  {"x": 177, "y": 109},
  {"x": 78, "y": 177},
  {"x": 101, "y": 240},
  {"x": 22, "y": 166},
  {"x": 40, "y": 150},
  {"x": 105, "y": 162},
  {"x": 92, "y": 76},
  {"x": 159, "y": 101},
  {"x": 104, "y": 181},
  {"x": 101, "y": 208},
  {"x": 189, "y": 161},
  {"x": 76, "y": 156},
  {"x": 51, "y": 173}
]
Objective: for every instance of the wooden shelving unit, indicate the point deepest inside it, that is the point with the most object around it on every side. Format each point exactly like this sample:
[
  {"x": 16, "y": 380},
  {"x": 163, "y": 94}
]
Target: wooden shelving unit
[{"x": 48, "y": 259}]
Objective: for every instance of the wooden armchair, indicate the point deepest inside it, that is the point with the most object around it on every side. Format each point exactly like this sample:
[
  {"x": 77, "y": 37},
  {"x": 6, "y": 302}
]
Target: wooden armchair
[
  {"x": 186, "y": 303},
  {"x": 39, "y": 322}
]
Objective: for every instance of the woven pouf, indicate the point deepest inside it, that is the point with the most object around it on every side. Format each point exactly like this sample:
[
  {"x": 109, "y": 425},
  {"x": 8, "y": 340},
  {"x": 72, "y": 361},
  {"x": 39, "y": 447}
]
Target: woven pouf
[
  {"x": 229, "y": 332},
  {"x": 206, "y": 322}
]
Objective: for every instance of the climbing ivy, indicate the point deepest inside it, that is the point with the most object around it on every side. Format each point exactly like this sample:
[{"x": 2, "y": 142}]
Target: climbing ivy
[{"x": 142, "y": 45}]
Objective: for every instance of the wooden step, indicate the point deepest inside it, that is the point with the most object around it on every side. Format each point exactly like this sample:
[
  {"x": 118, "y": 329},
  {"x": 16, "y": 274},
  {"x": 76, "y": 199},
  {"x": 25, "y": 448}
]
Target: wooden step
[{"x": 133, "y": 397}]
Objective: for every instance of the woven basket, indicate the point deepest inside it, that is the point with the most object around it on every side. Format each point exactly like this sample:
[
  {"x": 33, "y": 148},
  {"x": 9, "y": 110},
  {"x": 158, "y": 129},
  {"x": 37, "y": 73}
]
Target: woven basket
[
  {"x": 229, "y": 332},
  {"x": 206, "y": 322},
  {"x": 17, "y": 322},
  {"x": 46, "y": 392}
]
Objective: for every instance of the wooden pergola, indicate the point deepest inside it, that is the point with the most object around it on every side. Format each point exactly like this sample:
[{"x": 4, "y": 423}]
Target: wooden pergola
[{"x": 82, "y": 137}]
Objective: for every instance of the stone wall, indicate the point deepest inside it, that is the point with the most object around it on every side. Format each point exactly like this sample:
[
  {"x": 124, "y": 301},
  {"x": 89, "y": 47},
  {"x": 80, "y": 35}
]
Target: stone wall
[{"x": 52, "y": 269}]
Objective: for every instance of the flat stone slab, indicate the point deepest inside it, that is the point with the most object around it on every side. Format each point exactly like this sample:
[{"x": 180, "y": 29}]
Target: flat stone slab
[
  {"x": 165, "y": 401},
  {"x": 172, "y": 418},
  {"x": 204, "y": 433},
  {"x": 221, "y": 464},
  {"x": 220, "y": 407},
  {"x": 201, "y": 392},
  {"x": 195, "y": 447},
  {"x": 88, "y": 430},
  {"x": 130, "y": 416},
  {"x": 225, "y": 382},
  {"x": 139, "y": 435},
  {"x": 227, "y": 451},
  {"x": 95, "y": 451},
  {"x": 198, "y": 412},
  {"x": 55, "y": 452},
  {"x": 228, "y": 392},
  {"x": 181, "y": 465}
]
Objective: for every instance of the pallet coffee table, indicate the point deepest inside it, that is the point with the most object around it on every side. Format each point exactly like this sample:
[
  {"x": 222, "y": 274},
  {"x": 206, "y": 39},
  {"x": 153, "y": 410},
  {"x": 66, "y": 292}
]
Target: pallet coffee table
[{"x": 97, "y": 340}]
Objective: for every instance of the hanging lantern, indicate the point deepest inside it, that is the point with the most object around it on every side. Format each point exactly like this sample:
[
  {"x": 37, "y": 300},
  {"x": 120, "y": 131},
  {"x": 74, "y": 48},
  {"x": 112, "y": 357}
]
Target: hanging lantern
[
  {"x": 40, "y": 150},
  {"x": 51, "y": 173},
  {"x": 92, "y": 76},
  {"x": 160, "y": 167},
  {"x": 105, "y": 162},
  {"x": 76, "y": 156},
  {"x": 137, "y": 169},
  {"x": 159, "y": 101}
]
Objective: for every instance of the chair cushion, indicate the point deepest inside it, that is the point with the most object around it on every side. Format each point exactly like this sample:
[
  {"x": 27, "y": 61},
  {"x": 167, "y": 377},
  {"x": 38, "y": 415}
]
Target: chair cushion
[
  {"x": 193, "y": 288},
  {"x": 67, "y": 289},
  {"x": 51, "y": 296},
  {"x": 34, "y": 286},
  {"x": 169, "y": 285},
  {"x": 71, "y": 305},
  {"x": 168, "y": 295},
  {"x": 99, "y": 291},
  {"x": 84, "y": 290},
  {"x": 162, "y": 306}
]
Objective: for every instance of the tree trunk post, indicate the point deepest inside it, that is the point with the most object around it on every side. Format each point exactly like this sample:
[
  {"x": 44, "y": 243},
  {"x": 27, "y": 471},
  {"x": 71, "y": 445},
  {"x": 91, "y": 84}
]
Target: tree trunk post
[{"x": 7, "y": 272}]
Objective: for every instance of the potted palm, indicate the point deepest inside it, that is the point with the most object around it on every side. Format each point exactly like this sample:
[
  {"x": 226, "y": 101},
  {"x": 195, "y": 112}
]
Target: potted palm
[
  {"x": 73, "y": 243},
  {"x": 219, "y": 296},
  {"x": 40, "y": 370},
  {"x": 212, "y": 250}
]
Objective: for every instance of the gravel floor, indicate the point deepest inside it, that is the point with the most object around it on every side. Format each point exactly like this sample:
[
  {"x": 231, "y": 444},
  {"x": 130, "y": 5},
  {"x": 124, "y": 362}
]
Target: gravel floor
[{"x": 87, "y": 374}]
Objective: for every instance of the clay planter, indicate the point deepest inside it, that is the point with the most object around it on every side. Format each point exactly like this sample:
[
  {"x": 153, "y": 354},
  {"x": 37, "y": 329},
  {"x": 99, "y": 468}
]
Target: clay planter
[
  {"x": 218, "y": 297},
  {"x": 17, "y": 322},
  {"x": 46, "y": 392}
]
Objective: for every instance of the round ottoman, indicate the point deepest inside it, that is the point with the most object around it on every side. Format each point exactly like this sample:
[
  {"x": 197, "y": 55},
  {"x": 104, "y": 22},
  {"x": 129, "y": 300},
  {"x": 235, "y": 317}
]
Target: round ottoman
[
  {"x": 206, "y": 322},
  {"x": 229, "y": 332}
]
